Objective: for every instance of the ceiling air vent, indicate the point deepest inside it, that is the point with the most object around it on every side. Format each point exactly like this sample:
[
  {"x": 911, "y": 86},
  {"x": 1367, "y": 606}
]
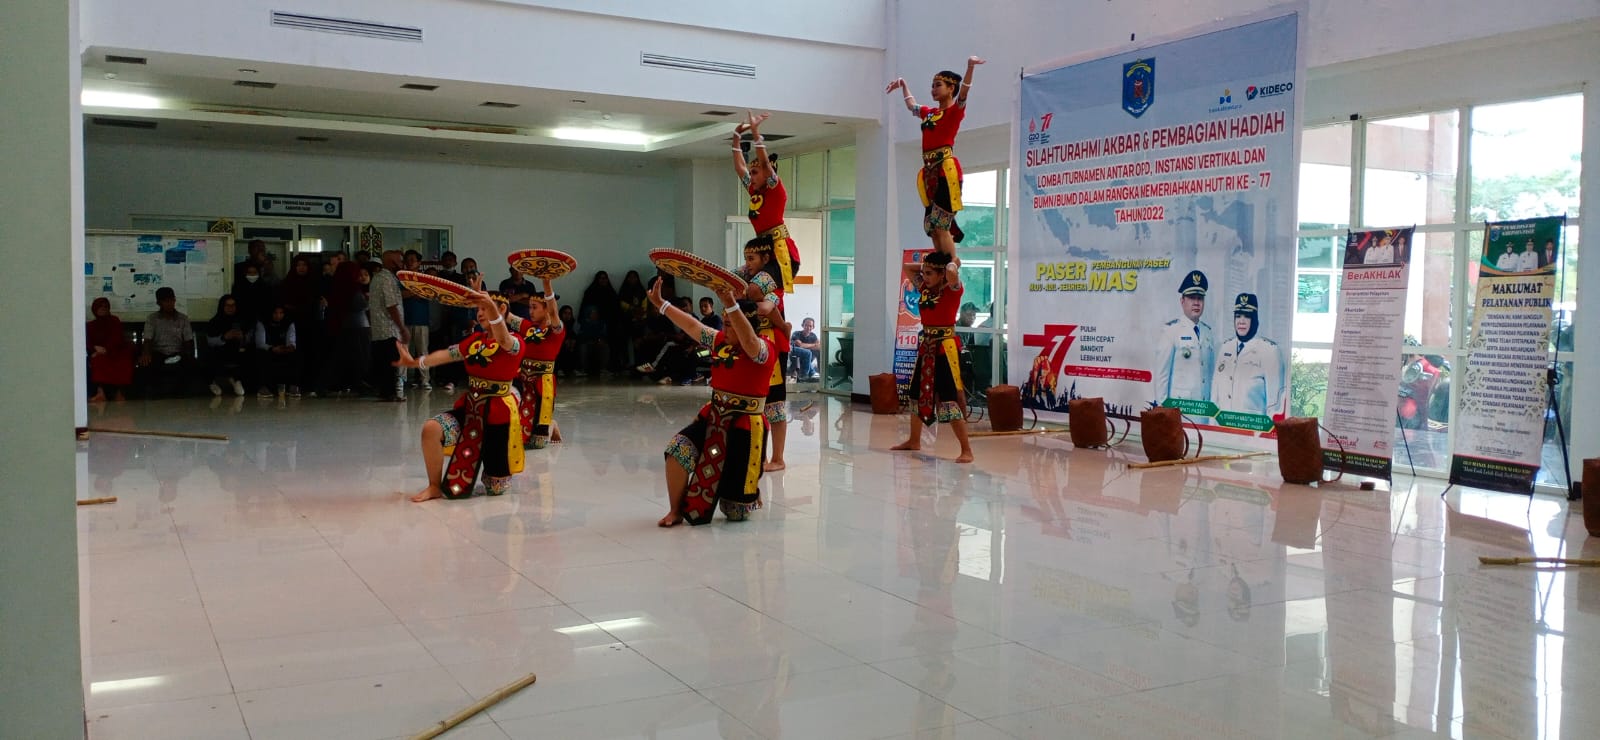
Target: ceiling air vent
[
  {"x": 718, "y": 113},
  {"x": 254, "y": 84},
  {"x": 493, "y": 104},
  {"x": 703, "y": 66},
  {"x": 419, "y": 86},
  {"x": 119, "y": 59},
  {"x": 123, "y": 123},
  {"x": 346, "y": 26},
  {"x": 312, "y": 139}
]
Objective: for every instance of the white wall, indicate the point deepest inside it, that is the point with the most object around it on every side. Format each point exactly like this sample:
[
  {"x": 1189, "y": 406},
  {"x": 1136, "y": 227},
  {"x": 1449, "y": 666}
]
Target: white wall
[
  {"x": 608, "y": 222},
  {"x": 523, "y": 45},
  {"x": 41, "y": 689}
]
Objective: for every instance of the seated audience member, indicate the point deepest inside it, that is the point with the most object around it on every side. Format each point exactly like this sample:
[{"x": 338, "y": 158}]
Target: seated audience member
[
  {"x": 804, "y": 345},
  {"x": 253, "y": 295},
  {"x": 594, "y": 348},
  {"x": 709, "y": 315},
  {"x": 568, "y": 359},
  {"x": 275, "y": 338},
  {"x": 227, "y": 335},
  {"x": 110, "y": 353},
  {"x": 168, "y": 345},
  {"x": 670, "y": 338}
]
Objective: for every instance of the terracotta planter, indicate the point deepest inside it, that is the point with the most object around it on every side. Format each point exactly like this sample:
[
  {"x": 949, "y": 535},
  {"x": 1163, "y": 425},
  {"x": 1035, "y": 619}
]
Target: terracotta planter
[{"x": 1591, "y": 496}]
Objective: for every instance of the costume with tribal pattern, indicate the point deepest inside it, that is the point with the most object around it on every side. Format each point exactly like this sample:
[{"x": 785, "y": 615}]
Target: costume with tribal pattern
[
  {"x": 722, "y": 448},
  {"x": 766, "y": 280},
  {"x": 537, "y": 379},
  {"x": 936, "y": 380},
  {"x": 767, "y": 204},
  {"x": 939, "y": 180},
  {"x": 484, "y": 429}
]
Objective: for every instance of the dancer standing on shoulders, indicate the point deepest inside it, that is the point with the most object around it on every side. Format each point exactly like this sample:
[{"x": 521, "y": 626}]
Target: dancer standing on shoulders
[
  {"x": 716, "y": 460},
  {"x": 939, "y": 181},
  {"x": 936, "y": 382},
  {"x": 768, "y": 198},
  {"x": 760, "y": 268},
  {"x": 542, "y": 334},
  {"x": 484, "y": 429}
]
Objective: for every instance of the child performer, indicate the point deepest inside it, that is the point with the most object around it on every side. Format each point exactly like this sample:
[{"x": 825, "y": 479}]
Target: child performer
[
  {"x": 939, "y": 181},
  {"x": 541, "y": 334},
  {"x": 716, "y": 459},
  {"x": 484, "y": 429},
  {"x": 768, "y": 199},
  {"x": 936, "y": 382}
]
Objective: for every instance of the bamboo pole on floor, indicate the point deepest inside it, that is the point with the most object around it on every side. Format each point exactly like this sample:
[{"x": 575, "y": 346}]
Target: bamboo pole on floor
[
  {"x": 1579, "y": 562},
  {"x": 157, "y": 433},
  {"x": 498, "y": 696},
  {"x": 1193, "y": 460}
]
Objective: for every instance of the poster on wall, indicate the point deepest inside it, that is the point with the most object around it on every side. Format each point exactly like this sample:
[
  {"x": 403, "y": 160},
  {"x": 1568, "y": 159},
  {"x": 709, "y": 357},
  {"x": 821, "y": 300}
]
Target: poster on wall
[
  {"x": 907, "y": 321},
  {"x": 1362, "y": 377},
  {"x": 1500, "y": 424},
  {"x": 1154, "y": 230}
]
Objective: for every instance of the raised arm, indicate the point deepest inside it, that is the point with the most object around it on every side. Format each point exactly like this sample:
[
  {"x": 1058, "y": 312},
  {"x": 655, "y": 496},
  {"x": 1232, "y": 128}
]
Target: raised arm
[
  {"x": 749, "y": 341},
  {"x": 497, "y": 327},
  {"x": 550, "y": 307},
  {"x": 689, "y": 324},
  {"x": 749, "y": 124},
  {"x": 952, "y": 275},
  {"x": 905, "y": 93},
  {"x": 966, "y": 80}
]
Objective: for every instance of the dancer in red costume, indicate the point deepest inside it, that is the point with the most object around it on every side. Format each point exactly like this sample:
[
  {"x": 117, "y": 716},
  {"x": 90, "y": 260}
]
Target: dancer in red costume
[
  {"x": 936, "y": 383},
  {"x": 939, "y": 180},
  {"x": 716, "y": 459},
  {"x": 760, "y": 270},
  {"x": 484, "y": 429},
  {"x": 542, "y": 334},
  {"x": 768, "y": 198}
]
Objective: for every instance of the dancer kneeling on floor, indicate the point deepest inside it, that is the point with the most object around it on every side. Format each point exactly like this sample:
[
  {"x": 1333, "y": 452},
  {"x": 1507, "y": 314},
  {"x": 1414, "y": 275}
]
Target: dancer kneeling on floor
[
  {"x": 717, "y": 458},
  {"x": 485, "y": 427}
]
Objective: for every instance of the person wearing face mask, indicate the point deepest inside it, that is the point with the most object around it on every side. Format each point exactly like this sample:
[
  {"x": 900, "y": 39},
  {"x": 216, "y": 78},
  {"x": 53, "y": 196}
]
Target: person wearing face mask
[
  {"x": 1249, "y": 375},
  {"x": 253, "y": 294}
]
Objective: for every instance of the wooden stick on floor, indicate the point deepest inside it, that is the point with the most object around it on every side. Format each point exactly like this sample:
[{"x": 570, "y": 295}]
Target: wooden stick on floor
[
  {"x": 1015, "y": 432},
  {"x": 488, "y": 701},
  {"x": 93, "y": 501},
  {"x": 1582, "y": 562},
  {"x": 1193, "y": 460},
  {"x": 155, "y": 433}
]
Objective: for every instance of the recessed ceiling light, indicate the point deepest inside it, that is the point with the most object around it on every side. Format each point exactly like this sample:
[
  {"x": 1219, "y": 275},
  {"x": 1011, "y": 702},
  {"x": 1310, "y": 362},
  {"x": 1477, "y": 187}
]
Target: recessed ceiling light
[
  {"x": 605, "y": 116},
  {"x": 419, "y": 86},
  {"x": 495, "y": 104},
  {"x": 108, "y": 99},
  {"x": 111, "y": 75}
]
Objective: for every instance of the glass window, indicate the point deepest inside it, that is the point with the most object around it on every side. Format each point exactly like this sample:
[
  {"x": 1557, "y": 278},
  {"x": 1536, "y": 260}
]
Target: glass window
[
  {"x": 1525, "y": 158},
  {"x": 1431, "y": 296},
  {"x": 842, "y": 175},
  {"x": 979, "y": 193},
  {"x": 842, "y": 233},
  {"x": 1313, "y": 294},
  {"x": 1308, "y": 381},
  {"x": 841, "y": 293},
  {"x": 1325, "y": 176},
  {"x": 805, "y": 190},
  {"x": 1317, "y": 252},
  {"x": 1410, "y": 175}
]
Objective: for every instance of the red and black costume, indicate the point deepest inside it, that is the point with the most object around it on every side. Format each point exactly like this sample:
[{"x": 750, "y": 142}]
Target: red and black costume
[
  {"x": 767, "y": 204},
  {"x": 484, "y": 429},
  {"x": 777, "y": 409},
  {"x": 722, "y": 448},
  {"x": 537, "y": 380},
  {"x": 936, "y": 381},
  {"x": 939, "y": 180}
]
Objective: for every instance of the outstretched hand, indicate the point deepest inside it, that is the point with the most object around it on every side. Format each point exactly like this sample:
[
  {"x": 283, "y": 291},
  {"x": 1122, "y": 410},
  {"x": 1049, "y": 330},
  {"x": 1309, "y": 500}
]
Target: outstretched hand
[
  {"x": 728, "y": 299},
  {"x": 406, "y": 360},
  {"x": 974, "y": 60},
  {"x": 897, "y": 83},
  {"x": 655, "y": 295}
]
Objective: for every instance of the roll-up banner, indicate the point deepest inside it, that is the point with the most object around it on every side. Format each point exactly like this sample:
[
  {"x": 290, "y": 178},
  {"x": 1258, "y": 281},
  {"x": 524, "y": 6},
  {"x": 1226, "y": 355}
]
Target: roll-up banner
[
  {"x": 1154, "y": 235},
  {"x": 1360, "y": 408},
  {"x": 1500, "y": 423}
]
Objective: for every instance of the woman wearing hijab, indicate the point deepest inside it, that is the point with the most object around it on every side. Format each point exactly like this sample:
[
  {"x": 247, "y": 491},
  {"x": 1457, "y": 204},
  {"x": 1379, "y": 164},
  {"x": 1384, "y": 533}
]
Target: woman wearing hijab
[
  {"x": 228, "y": 336},
  {"x": 632, "y": 303},
  {"x": 110, "y": 353},
  {"x": 602, "y": 299},
  {"x": 298, "y": 296}
]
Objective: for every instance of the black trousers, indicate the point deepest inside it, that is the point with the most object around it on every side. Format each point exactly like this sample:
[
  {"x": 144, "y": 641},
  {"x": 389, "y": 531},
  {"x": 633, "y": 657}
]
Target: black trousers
[{"x": 384, "y": 373}]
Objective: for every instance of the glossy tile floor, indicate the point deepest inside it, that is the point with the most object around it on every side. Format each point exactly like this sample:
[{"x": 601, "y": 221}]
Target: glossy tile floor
[{"x": 279, "y": 585}]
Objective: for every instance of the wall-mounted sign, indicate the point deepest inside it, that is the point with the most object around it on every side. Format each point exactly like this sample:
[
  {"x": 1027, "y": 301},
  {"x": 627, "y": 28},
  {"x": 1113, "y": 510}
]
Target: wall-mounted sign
[{"x": 309, "y": 206}]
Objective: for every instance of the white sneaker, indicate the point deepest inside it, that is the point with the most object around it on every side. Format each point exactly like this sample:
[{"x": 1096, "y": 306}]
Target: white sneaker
[
  {"x": 238, "y": 388},
  {"x": 216, "y": 390}
]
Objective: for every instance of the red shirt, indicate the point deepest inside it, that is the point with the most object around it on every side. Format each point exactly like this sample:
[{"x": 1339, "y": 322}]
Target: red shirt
[
  {"x": 542, "y": 344},
  {"x": 767, "y": 205},
  {"x": 939, "y": 125},
  {"x": 940, "y": 307},
  {"x": 486, "y": 359},
  {"x": 735, "y": 372}
]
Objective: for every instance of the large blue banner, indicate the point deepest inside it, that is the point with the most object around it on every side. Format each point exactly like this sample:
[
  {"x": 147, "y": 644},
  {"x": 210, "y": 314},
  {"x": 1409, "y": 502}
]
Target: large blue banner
[{"x": 1153, "y": 243}]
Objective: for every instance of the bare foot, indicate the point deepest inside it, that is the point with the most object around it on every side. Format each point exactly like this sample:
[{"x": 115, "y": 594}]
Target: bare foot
[
  {"x": 965, "y": 457},
  {"x": 99, "y": 397},
  {"x": 670, "y": 520},
  {"x": 912, "y": 446},
  {"x": 121, "y": 398},
  {"x": 427, "y": 494},
  {"x": 774, "y": 466},
  {"x": 555, "y": 433}
]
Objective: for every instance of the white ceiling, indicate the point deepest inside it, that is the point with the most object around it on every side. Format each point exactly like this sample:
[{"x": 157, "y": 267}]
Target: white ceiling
[{"x": 370, "y": 114}]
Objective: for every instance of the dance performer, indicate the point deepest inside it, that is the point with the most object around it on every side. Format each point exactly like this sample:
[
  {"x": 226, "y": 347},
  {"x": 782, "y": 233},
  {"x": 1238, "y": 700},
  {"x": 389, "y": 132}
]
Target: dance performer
[
  {"x": 542, "y": 334},
  {"x": 768, "y": 199},
  {"x": 484, "y": 429},
  {"x": 717, "y": 458},
  {"x": 939, "y": 181},
  {"x": 936, "y": 382},
  {"x": 760, "y": 268}
]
